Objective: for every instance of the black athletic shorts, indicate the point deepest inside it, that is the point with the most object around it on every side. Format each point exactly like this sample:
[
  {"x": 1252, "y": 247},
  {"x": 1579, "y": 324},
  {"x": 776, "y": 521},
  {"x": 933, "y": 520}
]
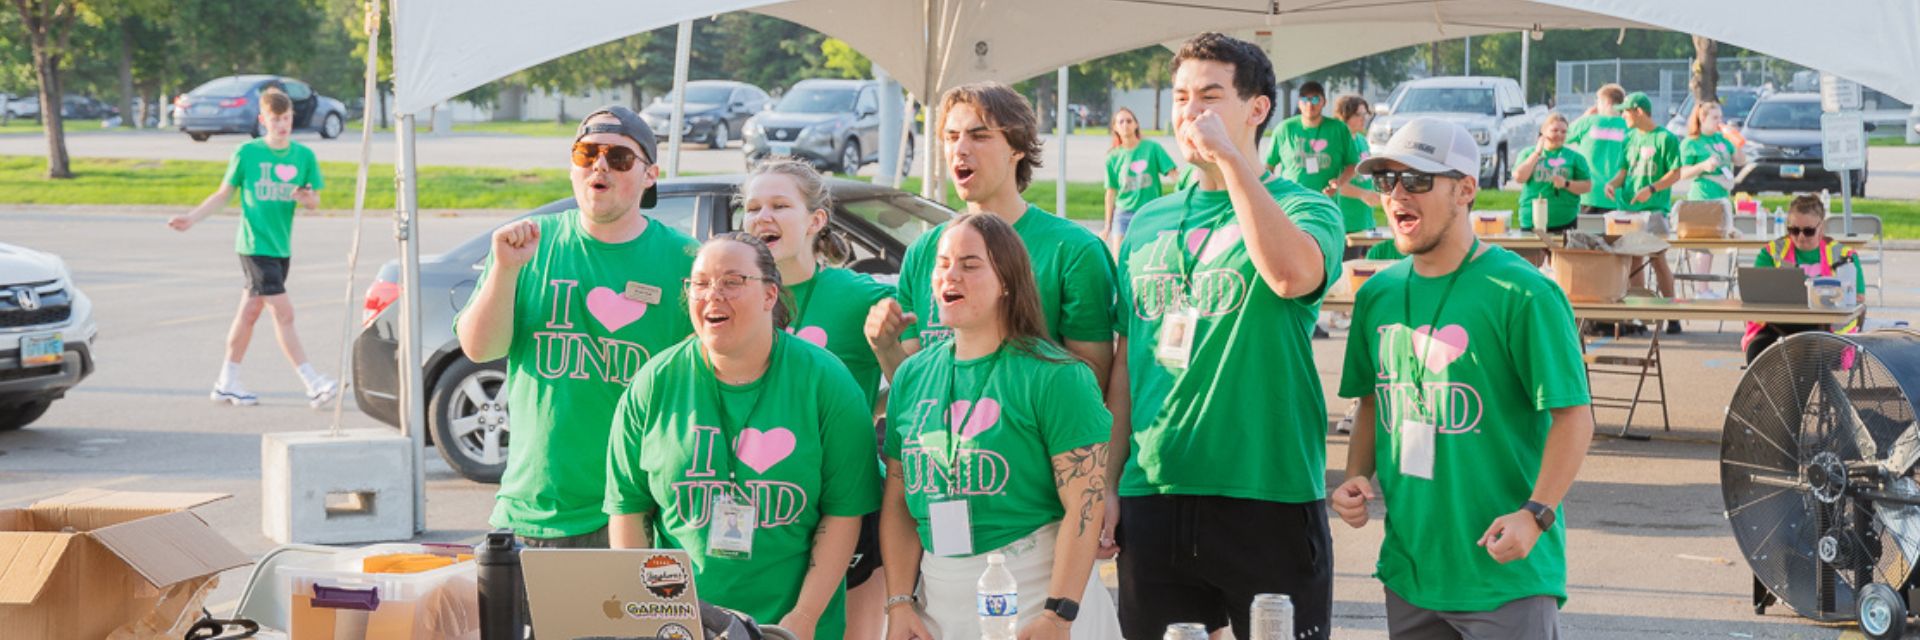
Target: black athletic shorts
[
  {"x": 266, "y": 275},
  {"x": 866, "y": 551},
  {"x": 1203, "y": 559}
]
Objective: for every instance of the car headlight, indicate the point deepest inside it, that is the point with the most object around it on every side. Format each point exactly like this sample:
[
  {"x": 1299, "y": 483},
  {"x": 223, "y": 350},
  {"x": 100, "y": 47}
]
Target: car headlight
[
  {"x": 818, "y": 132},
  {"x": 1755, "y": 150},
  {"x": 1379, "y": 133},
  {"x": 701, "y": 119},
  {"x": 752, "y": 128},
  {"x": 1481, "y": 136}
]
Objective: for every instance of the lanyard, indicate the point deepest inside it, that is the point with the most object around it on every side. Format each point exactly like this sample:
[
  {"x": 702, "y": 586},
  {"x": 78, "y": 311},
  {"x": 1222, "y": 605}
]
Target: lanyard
[
  {"x": 806, "y": 303},
  {"x": 727, "y": 427},
  {"x": 1433, "y": 326},
  {"x": 1189, "y": 258},
  {"x": 952, "y": 454}
]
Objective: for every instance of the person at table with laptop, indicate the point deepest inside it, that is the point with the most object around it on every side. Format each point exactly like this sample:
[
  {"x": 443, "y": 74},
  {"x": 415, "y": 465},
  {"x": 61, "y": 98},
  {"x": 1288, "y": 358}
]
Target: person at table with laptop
[
  {"x": 748, "y": 447},
  {"x": 1808, "y": 248}
]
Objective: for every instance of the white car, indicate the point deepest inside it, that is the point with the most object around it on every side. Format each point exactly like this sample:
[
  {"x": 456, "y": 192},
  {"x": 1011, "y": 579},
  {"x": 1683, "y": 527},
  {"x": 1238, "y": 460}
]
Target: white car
[
  {"x": 46, "y": 334},
  {"x": 1491, "y": 108}
]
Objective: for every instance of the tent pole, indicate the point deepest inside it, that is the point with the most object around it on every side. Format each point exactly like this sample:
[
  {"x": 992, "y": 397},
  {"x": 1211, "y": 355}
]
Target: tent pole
[
  {"x": 890, "y": 126},
  {"x": 1526, "y": 48},
  {"x": 682, "y": 53},
  {"x": 413, "y": 416},
  {"x": 1062, "y": 129},
  {"x": 1466, "y": 57}
]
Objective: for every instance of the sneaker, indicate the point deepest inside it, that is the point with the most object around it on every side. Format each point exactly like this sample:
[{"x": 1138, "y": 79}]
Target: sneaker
[
  {"x": 234, "y": 394},
  {"x": 1673, "y": 327},
  {"x": 321, "y": 391},
  {"x": 1320, "y": 332}
]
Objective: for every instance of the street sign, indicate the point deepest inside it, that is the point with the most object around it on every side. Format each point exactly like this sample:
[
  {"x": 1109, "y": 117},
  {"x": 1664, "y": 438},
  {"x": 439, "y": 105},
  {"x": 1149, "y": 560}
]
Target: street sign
[
  {"x": 1843, "y": 141},
  {"x": 1838, "y": 94}
]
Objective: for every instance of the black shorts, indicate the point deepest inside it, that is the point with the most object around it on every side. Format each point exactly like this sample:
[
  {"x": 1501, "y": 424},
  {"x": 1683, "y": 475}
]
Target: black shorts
[
  {"x": 1204, "y": 558},
  {"x": 866, "y": 552},
  {"x": 266, "y": 275},
  {"x": 1587, "y": 208}
]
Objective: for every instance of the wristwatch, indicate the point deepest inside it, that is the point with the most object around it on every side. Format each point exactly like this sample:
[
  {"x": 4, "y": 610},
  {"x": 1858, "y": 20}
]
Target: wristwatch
[
  {"x": 1543, "y": 515},
  {"x": 1063, "y": 607},
  {"x": 895, "y": 601}
]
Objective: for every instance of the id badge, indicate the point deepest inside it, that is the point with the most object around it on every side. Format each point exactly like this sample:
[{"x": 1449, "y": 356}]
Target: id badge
[
  {"x": 1174, "y": 349},
  {"x": 730, "y": 529},
  {"x": 1416, "y": 448},
  {"x": 1313, "y": 163},
  {"x": 952, "y": 525},
  {"x": 642, "y": 293}
]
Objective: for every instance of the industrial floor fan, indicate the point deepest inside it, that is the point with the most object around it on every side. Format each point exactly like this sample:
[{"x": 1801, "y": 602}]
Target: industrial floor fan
[{"x": 1817, "y": 468}]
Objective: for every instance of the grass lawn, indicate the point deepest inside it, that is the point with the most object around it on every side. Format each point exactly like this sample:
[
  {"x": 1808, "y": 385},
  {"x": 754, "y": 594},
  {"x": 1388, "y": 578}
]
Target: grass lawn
[
  {"x": 1888, "y": 141},
  {"x": 186, "y": 182}
]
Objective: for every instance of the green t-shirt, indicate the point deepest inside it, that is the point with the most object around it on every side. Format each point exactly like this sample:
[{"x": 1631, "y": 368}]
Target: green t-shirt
[
  {"x": 1650, "y": 156},
  {"x": 1563, "y": 206},
  {"x": 1505, "y": 354},
  {"x": 1711, "y": 185},
  {"x": 266, "y": 179},
  {"x": 1246, "y": 419},
  {"x": 1806, "y": 259},
  {"x": 577, "y": 342},
  {"x": 1312, "y": 156},
  {"x": 1602, "y": 141},
  {"x": 830, "y": 310},
  {"x": 1071, "y": 267},
  {"x": 1019, "y": 408},
  {"x": 1354, "y": 212},
  {"x": 1385, "y": 251},
  {"x": 802, "y": 448},
  {"x": 1136, "y": 173}
]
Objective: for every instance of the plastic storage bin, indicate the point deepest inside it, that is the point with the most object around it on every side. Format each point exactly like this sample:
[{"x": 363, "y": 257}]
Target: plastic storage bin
[
  {"x": 339, "y": 601},
  {"x": 1492, "y": 223},
  {"x": 1620, "y": 223}
]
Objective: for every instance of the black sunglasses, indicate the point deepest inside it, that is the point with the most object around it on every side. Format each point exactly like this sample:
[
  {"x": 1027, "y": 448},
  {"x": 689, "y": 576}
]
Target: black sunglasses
[
  {"x": 1414, "y": 181},
  {"x": 1803, "y": 231},
  {"x": 619, "y": 158}
]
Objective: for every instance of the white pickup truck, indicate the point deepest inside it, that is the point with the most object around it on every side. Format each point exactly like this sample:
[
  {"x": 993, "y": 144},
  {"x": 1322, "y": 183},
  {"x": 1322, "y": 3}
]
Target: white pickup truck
[{"x": 1493, "y": 109}]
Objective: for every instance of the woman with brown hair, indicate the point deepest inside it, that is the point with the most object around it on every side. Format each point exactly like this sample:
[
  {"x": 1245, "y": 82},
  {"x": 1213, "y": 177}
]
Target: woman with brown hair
[
  {"x": 1807, "y": 248},
  {"x": 1135, "y": 168},
  {"x": 1707, "y": 157},
  {"x": 996, "y": 450}
]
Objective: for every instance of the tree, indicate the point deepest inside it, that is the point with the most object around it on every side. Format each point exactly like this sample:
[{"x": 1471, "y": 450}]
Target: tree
[
  {"x": 1706, "y": 70},
  {"x": 49, "y": 29},
  {"x": 841, "y": 58}
]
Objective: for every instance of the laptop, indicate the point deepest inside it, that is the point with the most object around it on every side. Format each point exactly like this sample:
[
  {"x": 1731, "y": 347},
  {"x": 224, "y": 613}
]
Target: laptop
[
  {"x": 1773, "y": 285},
  {"x": 580, "y": 594}
]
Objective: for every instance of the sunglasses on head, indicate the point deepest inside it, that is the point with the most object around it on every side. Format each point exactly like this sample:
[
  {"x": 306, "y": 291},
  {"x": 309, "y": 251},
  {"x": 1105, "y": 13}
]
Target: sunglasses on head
[
  {"x": 1803, "y": 231},
  {"x": 1414, "y": 181},
  {"x": 619, "y": 158}
]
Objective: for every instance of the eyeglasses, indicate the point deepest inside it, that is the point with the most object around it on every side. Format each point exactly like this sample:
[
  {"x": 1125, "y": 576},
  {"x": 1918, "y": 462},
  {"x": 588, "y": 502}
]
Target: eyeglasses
[
  {"x": 1313, "y": 100},
  {"x": 619, "y": 158},
  {"x": 1803, "y": 231},
  {"x": 1414, "y": 181},
  {"x": 725, "y": 287}
]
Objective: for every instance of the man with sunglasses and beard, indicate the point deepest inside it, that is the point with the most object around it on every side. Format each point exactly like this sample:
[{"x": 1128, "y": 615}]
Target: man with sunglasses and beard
[
  {"x": 1468, "y": 370},
  {"x": 576, "y": 301}
]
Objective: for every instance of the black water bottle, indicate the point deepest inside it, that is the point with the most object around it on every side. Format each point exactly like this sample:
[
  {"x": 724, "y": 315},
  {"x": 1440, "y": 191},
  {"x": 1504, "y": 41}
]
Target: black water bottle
[{"x": 500, "y": 587}]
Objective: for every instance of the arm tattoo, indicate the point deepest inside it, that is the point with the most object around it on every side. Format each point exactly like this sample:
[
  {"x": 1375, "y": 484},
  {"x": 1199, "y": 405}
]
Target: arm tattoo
[{"x": 1085, "y": 462}]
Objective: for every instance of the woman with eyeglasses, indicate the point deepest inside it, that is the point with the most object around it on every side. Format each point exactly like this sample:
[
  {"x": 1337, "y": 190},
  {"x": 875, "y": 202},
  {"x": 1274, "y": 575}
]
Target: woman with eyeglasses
[
  {"x": 1355, "y": 196},
  {"x": 996, "y": 444},
  {"x": 1135, "y": 167},
  {"x": 749, "y": 448},
  {"x": 1808, "y": 248}
]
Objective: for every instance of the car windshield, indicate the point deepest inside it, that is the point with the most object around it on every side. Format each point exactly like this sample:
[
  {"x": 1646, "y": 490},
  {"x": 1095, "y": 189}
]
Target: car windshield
[
  {"x": 1446, "y": 100},
  {"x": 1735, "y": 105},
  {"x": 223, "y": 87},
  {"x": 702, "y": 95},
  {"x": 1798, "y": 114},
  {"x": 817, "y": 101}
]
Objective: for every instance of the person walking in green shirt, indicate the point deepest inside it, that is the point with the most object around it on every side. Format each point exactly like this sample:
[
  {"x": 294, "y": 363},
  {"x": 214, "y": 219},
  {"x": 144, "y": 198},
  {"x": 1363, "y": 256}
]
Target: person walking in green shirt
[
  {"x": 1219, "y": 419},
  {"x": 274, "y": 176},
  {"x": 748, "y": 447},
  {"x": 1707, "y": 157},
  {"x": 1474, "y": 409},
  {"x": 1550, "y": 171},
  {"x": 1135, "y": 167},
  {"x": 1600, "y": 136},
  {"x": 996, "y": 443},
  {"x": 576, "y": 301},
  {"x": 1355, "y": 195},
  {"x": 992, "y": 145},
  {"x": 1313, "y": 151},
  {"x": 1653, "y": 165}
]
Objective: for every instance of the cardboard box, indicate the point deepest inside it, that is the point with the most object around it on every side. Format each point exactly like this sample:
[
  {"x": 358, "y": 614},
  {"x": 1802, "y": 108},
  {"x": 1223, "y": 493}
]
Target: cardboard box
[{"x": 83, "y": 564}]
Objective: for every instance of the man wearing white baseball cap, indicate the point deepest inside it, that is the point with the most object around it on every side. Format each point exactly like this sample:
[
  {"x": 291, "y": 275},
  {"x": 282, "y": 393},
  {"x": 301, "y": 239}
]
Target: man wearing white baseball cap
[{"x": 1468, "y": 370}]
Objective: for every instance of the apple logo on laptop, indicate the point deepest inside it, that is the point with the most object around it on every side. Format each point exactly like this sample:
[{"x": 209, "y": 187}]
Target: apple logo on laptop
[{"x": 614, "y": 608}]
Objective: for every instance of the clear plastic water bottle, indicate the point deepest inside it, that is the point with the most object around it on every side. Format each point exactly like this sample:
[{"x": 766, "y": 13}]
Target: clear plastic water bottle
[
  {"x": 998, "y": 597},
  {"x": 1272, "y": 617},
  {"x": 1186, "y": 631}
]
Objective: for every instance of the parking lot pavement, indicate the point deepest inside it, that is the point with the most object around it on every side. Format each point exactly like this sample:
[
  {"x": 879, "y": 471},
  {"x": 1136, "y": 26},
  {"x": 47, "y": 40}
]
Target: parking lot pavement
[{"x": 1650, "y": 553}]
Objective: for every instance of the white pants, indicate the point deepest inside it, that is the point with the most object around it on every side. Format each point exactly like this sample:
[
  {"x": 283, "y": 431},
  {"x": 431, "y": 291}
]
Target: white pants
[{"x": 949, "y": 587}]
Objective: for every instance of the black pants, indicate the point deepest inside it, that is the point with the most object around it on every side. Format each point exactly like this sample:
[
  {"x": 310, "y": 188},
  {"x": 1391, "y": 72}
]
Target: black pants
[
  {"x": 1203, "y": 559},
  {"x": 1773, "y": 333}
]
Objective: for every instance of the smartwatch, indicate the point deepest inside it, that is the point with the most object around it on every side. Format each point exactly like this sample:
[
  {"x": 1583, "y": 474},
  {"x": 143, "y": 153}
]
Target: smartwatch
[
  {"x": 1063, "y": 607},
  {"x": 1543, "y": 515}
]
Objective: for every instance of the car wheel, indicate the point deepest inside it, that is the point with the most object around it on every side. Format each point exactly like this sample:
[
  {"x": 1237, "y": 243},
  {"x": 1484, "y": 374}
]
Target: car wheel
[
  {"x": 1860, "y": 186},
  {"x": 199, "y": 137},
  {"x": 257, "y": 131},
  {"x": 850, "y": 157},
  {"x": 468, "y": 412},
  {"x": 1499, "y": 168},
  {"x": 719, "y": 138},
  {"x": 330, "y": 128},
  {"x": 19, "y": 415}
]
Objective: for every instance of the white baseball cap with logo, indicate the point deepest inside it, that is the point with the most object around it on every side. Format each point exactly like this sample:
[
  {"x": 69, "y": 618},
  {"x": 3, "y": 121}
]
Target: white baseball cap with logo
[{"x": 1428, "y": 145}]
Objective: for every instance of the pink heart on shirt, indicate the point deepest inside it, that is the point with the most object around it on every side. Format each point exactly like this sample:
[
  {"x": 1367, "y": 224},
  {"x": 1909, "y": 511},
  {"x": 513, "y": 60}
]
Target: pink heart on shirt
[
  {"x": 815, "y": 335},
  {"x": 985, "y": 415},
  {"x": 612, "y": 309},
  {"x": 1194, "y": 238},
  {"x": 1138, "y": 166},
  {"x": 1318, "y": 145},
  {"x": 1556, "y": 162},
  {"x": 1221, "y": 241},
  {"x": 1442, "y": 347},
  {"x": 286, "y": 172},
  {"x": 763, "y": 449}
]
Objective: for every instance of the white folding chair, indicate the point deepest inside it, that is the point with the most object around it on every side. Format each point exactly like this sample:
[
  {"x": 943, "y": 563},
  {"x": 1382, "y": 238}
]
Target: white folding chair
[{"x": 1866, "y": 224}]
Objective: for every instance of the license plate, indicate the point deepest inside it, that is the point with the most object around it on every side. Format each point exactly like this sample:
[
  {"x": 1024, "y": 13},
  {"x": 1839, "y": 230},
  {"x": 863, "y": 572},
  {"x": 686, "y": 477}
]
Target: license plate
[
  {"x": 1793, "y": 171},
  {"x": 780, "y": 149},
  {"x": 205, "y": 110},
  {"x": 41, "y": 350}
]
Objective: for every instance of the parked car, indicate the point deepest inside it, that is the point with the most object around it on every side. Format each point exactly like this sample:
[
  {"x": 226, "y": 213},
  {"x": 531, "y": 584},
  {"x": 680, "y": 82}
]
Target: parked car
[
  {"x": 715, "y": 109},
  {"x": 833, "y": 124},
  {"x": 26, "y": 106},
  {"x": 1735, "y": 104},
  {"x": 1491, "y": 108},
  {"x": 466, "y": 404},
  {"x": 86, "y": 108},
  {"x": 232, "y": 105},
  {"x": 46, "y": 334},
  {"x": 1783, "y": 148}
]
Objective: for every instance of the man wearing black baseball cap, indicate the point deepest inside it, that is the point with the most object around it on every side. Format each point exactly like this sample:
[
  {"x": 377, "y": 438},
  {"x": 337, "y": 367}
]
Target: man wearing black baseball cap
[{"x": 575, "y": 301}]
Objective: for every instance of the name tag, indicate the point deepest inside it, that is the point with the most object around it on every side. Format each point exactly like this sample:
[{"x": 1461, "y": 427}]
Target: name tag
[
  {"x": 952, "y": 525},
  {"x": 730, "y": 529},
  {"x": 642, "y": 293},
  {"x": 1313, "y": 163},
  {"x": 1174, "y": 348},
  {"x": 1416, "y": 449}
]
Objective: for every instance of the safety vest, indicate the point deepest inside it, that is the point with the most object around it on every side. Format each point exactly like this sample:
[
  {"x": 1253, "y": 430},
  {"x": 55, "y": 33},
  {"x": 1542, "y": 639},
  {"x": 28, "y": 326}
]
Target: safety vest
[{"x": 1830, "y": 266}]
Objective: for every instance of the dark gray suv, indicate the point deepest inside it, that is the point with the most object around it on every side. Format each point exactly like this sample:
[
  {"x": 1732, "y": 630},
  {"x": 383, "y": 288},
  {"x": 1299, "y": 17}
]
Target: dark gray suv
[
  {"x": 715, "y": 110},
  {"x": 832, "y": 124}
]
